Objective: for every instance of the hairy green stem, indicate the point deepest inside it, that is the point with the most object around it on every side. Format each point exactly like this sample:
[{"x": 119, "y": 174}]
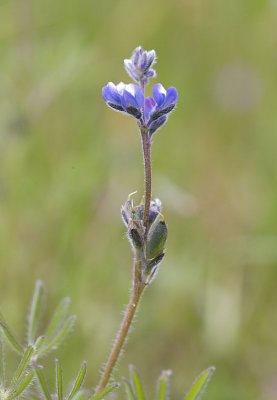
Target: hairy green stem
[{"x": 136, "y": 293}]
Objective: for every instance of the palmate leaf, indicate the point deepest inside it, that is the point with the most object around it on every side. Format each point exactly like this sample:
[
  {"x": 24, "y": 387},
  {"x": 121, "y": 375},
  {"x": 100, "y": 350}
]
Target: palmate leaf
[
  {"x": 35, "y": 311},
  {"x": 21, "y": 379},
  {"x": 59, "y": 327},
  {"x": 75, "y": 392},
  {"x": 199, "y": 385},
  {"x": 163, "y": 390}
]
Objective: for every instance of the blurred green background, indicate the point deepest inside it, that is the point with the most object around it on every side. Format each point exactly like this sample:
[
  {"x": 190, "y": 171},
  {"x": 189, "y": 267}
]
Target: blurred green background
[{"x": 68, "y": 163}]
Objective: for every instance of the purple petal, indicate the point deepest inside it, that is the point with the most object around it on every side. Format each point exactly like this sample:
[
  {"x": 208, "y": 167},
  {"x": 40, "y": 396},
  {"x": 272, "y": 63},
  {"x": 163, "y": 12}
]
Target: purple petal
[
  {"x": 136, "y": 54},
  {"x": 137, "y": 93},
  {"x": 151, "y": 58},
  {"x": 128, "y": 63},
  {"x": 151, "y": 73},
  {"x": 159, "y": 94},
  {"x": 120, "y": 87},
  {"x": 128, "y": 100},
  {"x": 130, "y": 104},
  {"x": 110, "y": 94},
  {"x": 139, "y": 97},
  {"x": 171, "y": 97},
  {"x": 131, "y": 71},
  {"x": 149, "y": 107},
  {"x": 143, "y": 61}
]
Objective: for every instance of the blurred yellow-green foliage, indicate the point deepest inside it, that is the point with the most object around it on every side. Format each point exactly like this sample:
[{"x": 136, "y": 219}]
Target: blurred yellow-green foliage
[{"x": 68, "y": 163}]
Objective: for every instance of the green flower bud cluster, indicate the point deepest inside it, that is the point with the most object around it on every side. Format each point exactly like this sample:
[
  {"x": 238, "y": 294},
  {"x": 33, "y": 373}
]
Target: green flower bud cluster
[{"x": 150, "y": 245}]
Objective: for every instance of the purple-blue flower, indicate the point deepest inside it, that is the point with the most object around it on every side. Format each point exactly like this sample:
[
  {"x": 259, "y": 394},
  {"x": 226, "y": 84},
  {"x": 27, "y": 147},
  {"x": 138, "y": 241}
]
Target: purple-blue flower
[
  {"x": 125, "y": 98},
  {"x": 139, "y": 66},
  {"x": 157, "y": 108},
  {"x": 150, "y": 112}
]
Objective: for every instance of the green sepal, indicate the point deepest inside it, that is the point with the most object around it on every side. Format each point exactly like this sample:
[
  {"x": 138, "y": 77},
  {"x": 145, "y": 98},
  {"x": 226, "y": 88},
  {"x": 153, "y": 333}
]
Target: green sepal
[{"x": 135, "y": 238}]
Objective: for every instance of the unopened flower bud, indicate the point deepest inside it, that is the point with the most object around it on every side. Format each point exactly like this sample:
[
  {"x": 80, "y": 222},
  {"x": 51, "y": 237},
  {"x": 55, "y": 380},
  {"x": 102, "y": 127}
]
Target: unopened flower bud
[
  {"x": 155, "y": 262},
  {"x": 139, "y": 66},
  {"x": 135, "y": 238},
  {"x": 156, "y": 240},
  {"x": 152, "y": 268}
]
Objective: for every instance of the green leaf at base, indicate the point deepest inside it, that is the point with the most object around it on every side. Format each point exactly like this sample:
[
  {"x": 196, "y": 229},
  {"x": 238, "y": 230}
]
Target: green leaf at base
[
  {"x": 163, "y": 385},
  {"x": 199, "y": 385}
]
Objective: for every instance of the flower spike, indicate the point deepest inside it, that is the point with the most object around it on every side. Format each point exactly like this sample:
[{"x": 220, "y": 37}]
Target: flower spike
[{"x": 151, "y": 113}]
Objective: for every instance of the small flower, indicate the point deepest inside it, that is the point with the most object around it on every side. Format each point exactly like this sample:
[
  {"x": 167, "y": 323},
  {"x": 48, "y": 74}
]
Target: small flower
[
  {"x": 139, "y": 66},
  {"x": 165, "y": 100},
  {"x": 156, "y": 109},
  {"x": 125, "y": 98}
]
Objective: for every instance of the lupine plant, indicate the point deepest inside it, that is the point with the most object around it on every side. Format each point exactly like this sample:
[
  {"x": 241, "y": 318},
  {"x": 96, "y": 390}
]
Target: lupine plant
[{"x": 147, "y": 233}]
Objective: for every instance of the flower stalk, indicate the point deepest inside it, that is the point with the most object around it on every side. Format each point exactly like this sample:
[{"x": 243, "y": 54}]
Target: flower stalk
[
  {"x": 146, "y": 146},
  {"x": 136, "y": 294},
  {"x": 146, "y": 227}
]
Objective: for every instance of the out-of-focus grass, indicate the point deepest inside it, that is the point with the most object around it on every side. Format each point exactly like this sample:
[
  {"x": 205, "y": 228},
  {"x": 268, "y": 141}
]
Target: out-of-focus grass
[{"x": 68, "y": 163}]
